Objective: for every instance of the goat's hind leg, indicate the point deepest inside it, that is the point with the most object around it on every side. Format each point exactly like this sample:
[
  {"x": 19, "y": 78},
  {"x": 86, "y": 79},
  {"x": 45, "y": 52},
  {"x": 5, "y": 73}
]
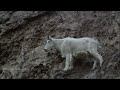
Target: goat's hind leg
[
  {"x": 97, "y": 56},
  {"x": 94, "y": 64},
  {"x": 100, "y": 58}
]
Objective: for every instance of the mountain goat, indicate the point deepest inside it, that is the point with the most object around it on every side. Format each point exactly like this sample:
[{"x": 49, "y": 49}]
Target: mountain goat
[{"x": 70, "y": 47}]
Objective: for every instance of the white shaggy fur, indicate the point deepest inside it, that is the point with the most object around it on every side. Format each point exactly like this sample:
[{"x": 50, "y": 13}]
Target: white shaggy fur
[{"x": 70, "y": 47}]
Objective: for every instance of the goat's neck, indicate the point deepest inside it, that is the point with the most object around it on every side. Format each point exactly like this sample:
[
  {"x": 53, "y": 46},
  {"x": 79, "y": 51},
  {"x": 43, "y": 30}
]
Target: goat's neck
[{"x": 58, "y": 43}]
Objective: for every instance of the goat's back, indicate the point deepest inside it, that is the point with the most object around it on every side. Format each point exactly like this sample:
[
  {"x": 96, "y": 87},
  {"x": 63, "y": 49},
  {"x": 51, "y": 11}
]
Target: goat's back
[
  {"x": 83, "y": 40},
  {"x": 78, "y": 44}
]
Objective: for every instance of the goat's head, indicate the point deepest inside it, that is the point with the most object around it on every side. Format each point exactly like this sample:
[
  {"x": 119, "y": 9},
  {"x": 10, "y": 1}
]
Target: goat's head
[{"x": 49, "y": 44}]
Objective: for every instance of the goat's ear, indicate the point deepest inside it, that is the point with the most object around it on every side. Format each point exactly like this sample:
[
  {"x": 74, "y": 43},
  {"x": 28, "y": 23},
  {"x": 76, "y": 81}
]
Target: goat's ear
[{"x": 49, "y": 37}]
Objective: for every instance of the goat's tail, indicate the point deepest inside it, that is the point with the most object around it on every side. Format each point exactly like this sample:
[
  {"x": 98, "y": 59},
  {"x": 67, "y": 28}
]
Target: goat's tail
[{"x": 98, "y": 44}]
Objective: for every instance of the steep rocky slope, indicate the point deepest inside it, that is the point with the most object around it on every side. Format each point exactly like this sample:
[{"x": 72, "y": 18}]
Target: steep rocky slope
[{"x": 23, "y": 35}]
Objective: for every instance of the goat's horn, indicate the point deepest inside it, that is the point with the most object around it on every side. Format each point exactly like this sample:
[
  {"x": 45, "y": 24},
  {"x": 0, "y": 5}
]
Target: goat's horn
[{"x": 47, "y": 36}]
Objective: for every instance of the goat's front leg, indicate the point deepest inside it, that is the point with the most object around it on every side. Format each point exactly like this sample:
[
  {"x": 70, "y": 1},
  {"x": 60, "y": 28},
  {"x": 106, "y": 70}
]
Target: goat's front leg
[
  {"x": 68, "y": 63},
  {"x": 94, "y": 64},
  {"x": 71, "y": 61}
]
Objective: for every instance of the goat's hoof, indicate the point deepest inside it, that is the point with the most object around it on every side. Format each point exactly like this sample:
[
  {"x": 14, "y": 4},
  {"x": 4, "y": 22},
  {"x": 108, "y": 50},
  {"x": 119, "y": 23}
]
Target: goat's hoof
[
  {"x": 100, "y": 65},
  {"x": 65, "y": 69},
  {"x": 93, "y": 69}
]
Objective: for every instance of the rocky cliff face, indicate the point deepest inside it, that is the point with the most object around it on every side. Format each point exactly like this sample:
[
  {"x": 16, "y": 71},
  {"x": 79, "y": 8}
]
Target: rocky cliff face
[{"x": 23, "y": 35}]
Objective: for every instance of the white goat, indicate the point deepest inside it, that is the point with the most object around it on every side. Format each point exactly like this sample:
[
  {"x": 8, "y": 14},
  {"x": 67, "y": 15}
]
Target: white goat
[{"x": 70, "y": 47}]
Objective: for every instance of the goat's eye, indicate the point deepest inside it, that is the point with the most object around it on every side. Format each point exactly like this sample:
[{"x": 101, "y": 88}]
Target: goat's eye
[{"x": 48, "y": 41}]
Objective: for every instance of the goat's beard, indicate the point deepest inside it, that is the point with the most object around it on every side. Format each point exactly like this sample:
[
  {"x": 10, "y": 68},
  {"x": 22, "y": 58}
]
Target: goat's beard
[{"x": 51, "y": 52}]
